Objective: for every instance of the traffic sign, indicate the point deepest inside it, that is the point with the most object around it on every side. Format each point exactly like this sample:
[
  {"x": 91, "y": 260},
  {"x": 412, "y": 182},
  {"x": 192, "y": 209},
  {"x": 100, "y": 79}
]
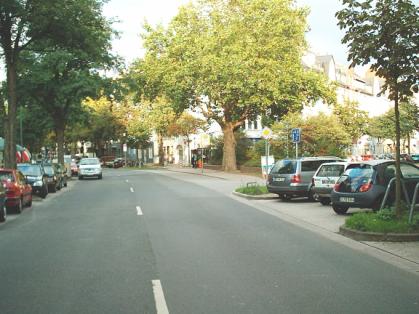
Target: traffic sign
[
  {"x": 296, "y": 135},
  {"x": 266, "y": 133}
]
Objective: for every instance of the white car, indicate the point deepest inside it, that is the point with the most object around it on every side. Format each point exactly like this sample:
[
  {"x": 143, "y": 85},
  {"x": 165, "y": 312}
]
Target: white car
[
  {"x": 90, "y": 167},
  {"x": 325, "y": 179}
]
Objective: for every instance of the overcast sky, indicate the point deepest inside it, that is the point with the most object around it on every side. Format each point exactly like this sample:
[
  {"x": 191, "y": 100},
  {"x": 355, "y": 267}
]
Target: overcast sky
[{"x": 324, "y": 36}]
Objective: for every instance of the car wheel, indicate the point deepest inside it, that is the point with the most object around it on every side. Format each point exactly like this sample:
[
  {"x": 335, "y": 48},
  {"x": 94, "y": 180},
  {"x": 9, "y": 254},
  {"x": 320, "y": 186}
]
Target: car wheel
[
  {"x": 3, "y": 213},
  {"x": 100, "y": 177},
  {"x": 60, "y": 185},
  {"x": 65, "y": 184},
  {"x": 311, "y": 195},
  {"x": 54, "y": 188},
  {"x": 284, "y": 197},
  {"x": 339, "y": 209},
  {"x": 324, "y": 200},
  {"x": 44, "y": 192},
  {"x": 19, "y": 206},
  {"x": 29, "y": 204}
]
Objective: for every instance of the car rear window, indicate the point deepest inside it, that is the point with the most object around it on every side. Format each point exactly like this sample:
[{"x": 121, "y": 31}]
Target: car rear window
[
  {"x": 89, "y": 161},
  {"x": 331, "y": 171},
  {"x": 355, "y": 176},
  {"x": 6, "y": 176},
  {"x": 409, "y": 171},
  {"x": 49, "y": 170},
  {"x": 285, "y": 167},
  {"x": 30, "y": 170}
]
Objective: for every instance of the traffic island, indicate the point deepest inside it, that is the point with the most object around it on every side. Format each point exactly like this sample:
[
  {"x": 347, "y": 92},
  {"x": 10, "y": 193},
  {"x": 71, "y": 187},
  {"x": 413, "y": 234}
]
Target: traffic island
[
  {"x": 254, "y": 191},
  {"x": 268, "y": 196},
  {"x": 378, "y": 237},
  {"x": 381, "y": 226}
]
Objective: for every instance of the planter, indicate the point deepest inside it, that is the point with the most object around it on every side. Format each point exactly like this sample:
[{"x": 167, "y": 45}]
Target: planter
[{"x": 256, "y": 197}]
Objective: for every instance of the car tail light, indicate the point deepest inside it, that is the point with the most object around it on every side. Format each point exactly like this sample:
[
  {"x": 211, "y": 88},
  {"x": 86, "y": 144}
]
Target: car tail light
[
  {"x": 296, "y": 178},
  {"x": 336, "y": 187},
  {"x": 365, "y": 187}
]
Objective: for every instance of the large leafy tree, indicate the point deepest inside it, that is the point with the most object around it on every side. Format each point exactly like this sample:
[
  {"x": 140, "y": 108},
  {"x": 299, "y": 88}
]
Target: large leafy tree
[
  {"x": 231, "y": 60},
  {"x": 385, "y": 34},
  {"x": 43, "y": 25}
]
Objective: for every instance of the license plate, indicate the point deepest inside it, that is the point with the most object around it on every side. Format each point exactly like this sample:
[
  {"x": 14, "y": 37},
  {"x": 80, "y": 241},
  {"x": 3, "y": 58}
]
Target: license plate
[
  {"x": 347, "y": 199},
  {"x": 279, "y": 179}
]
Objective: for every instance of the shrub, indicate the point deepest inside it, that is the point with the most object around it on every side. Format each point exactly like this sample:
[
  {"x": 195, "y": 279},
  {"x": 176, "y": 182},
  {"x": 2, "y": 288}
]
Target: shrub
[
  {"x": 384, "y": 221},
  {"x": 253, "y": 190}
]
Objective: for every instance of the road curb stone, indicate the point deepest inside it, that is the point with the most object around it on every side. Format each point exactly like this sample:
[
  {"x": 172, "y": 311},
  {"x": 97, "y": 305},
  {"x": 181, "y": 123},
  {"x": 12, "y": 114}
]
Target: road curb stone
[
  {"x": 256, "y": 197},
  {"x": 376, "y": 237}
]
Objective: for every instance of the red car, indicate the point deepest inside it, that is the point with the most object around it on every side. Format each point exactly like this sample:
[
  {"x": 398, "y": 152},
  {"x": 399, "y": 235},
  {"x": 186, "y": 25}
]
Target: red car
[{"x": 18, "y": 191}]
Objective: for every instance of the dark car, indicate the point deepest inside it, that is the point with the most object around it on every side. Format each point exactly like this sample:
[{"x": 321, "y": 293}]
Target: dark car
[
  {"x": 36, "y": 177},
  {"x": 415, "y": 158},
  {"x": 118, "y": 163},
  {"x": 364, "y": 184},
  {"x": 2, "y": 201},
  {"x": 293, "y": 177},
  {"x": 52, "y": 178},
  {"x": 61, "y": 173},
  {"x": 18, "y": 191}
]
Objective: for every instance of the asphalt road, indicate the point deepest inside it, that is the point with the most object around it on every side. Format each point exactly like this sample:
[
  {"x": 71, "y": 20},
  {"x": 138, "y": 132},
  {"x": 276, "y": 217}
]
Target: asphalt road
[{"x": 101, "y": 246}]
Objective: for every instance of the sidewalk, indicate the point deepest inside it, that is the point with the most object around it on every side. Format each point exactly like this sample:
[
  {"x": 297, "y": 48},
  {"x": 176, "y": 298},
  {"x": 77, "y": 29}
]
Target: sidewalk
[{"x": 306, "y": 212}]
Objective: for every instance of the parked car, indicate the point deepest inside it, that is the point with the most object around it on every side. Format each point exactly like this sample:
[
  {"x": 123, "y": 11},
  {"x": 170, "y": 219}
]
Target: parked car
[
  {"x": 118, "y": 162},
  {"x": 61, "y": 173},
  {"x": 74, "y": 168},
  {"x": 36, "y": 177},
  {"x": 415, "y": 158},
  {"x": 107, "y": 161},
  {"x": 3, "y": 211},
  {"x": 90, "y": 167},
  {"x": 292, "y": 177},
  {"x": 325, "y": 178},
  {"x": 364, "y": 184},
  {"x": 52, "y": 178},
  {"x": 18, "y": 191}
]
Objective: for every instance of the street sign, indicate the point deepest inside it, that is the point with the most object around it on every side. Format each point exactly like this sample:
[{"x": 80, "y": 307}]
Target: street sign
[
  {"x": 266, "y": 133},
  {"x": 124, "y": 148},
  {"x": 296, "y": 135}
]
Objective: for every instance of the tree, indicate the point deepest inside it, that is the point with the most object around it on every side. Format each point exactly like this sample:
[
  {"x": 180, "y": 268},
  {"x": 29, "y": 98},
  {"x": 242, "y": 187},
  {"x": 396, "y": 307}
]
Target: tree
[
  {"x": 231, "y": 60},
  {"x": 352, "y": 118},
  {"x": 385, "y": 34},
  {"x": 186, "y": 125},
  {"x": 321, "y": 134},
  {"x": 41, "y": 26}
]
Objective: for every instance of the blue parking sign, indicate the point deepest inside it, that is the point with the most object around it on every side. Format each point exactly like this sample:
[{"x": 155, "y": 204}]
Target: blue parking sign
[{"x": 296, "y": 135}]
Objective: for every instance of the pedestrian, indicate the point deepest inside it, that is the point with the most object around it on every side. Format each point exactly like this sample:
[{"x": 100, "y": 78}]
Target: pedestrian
[{"x": 193, "y": 161}]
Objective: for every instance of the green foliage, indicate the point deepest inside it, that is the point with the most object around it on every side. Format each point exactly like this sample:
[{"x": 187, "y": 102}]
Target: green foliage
[
  {"x": 384, "y": 221},
  {"x": 384, "y": 126},
  {"x": 354, "y": 120},
  {"x": 243, "y": 144},
  {"x": 253, "y": 190},
  {"x": 233, "y": 60},
  {"x": 321, "y": 135}
]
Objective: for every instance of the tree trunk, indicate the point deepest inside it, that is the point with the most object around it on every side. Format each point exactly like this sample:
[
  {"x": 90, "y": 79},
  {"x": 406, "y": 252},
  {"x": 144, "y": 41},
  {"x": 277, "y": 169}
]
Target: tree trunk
[
  {"x": 10, "y": 118},
  {"x": 161, "y": 151},
  {"x": 229, "y": 150},
  {"x": 408, "y": 144},
  {"x": 398, "y": 171},
  {"x": 59, "y": 133}
]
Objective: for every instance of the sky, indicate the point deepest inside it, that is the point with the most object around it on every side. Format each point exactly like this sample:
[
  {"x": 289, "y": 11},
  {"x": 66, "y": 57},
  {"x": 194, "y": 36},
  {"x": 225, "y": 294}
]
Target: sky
[{"x": 324, "y": 36}]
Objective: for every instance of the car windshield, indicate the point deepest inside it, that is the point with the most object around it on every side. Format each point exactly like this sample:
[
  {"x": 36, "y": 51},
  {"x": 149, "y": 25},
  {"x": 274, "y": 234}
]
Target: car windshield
[
  {"x": 49, "y": 170},
  {"x": 89, "y": 161},
  {"x": 284, "y": 167},
  {"x": 331, "y": 171},
  {"x": 6, "y": 176},
  {"x": 30, "y": 170}
]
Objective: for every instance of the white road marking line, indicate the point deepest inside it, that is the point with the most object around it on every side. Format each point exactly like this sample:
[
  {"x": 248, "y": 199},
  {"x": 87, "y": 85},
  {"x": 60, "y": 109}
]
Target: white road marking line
[
  {"x": 139, "y": 211},
  {"x": 131, "y": 189},
  {"x": 126, "y": 181},
  {"x": 161, "y": 305}
]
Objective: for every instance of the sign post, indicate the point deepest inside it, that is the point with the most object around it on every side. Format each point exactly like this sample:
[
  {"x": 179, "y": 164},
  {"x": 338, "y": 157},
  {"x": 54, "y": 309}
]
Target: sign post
[
  {"x": 296, "y": 138},
  {"x": 266, "y": 134}
]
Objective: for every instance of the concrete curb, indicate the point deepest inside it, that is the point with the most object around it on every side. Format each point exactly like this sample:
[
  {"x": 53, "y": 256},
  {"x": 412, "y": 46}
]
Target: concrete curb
[
  {"x": 256, "y": 197},
  {"x": 376, "y": 237}
]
